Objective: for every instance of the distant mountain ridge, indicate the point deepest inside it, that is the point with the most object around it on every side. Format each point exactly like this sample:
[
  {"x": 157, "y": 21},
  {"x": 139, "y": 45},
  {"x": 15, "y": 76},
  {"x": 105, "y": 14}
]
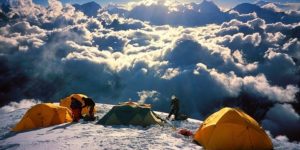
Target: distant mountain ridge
[
  {"x": 193, "y": 14},
  {"x": 196, "y": 14},
  {"x": 268, "y": 15},
  {"x": 90, "y": 9}
]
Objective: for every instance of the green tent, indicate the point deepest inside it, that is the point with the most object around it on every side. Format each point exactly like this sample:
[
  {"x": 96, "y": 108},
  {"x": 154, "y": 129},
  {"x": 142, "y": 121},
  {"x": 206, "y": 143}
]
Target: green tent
[{"x": 130, "y": 113}]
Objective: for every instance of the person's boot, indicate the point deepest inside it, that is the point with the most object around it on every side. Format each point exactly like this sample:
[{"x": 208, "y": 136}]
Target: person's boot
[{"x": 91, "y": 117}]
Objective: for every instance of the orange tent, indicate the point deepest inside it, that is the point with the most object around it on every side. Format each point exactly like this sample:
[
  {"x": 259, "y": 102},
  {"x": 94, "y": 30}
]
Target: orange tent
[
  {"x": 232, "y": 129},
  {"x": 43, "y": 115},
  {"x": 66, "y": 102}
]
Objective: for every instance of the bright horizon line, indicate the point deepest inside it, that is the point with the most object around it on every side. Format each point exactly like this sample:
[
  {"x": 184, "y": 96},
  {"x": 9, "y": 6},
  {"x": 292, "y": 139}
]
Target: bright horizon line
[{"x": 222, "y": 4}]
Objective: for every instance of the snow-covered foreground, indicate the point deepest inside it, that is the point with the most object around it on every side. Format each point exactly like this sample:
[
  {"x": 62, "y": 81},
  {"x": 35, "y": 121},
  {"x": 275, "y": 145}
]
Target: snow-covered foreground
[{"x": 88, "y": 135}]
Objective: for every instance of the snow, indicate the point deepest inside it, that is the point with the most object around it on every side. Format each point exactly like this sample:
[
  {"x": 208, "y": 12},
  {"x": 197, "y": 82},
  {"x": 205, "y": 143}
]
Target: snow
[{"x": 88, "y": 135}]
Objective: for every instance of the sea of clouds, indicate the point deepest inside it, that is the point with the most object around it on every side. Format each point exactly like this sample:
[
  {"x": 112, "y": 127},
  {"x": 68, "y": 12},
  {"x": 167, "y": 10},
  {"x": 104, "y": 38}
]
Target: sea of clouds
[{"x": 131, "y": 52}]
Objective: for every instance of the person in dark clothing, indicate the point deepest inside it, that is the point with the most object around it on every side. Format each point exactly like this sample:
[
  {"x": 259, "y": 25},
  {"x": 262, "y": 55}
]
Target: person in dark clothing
[
  {"x": 76, "y": 107},
  {"x": 88, "y": 102},
  {"x": 174, "y": 108}
]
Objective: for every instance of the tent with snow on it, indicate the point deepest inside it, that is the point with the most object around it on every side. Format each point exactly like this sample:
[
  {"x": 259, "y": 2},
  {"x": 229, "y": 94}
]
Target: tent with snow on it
[
  {"x": 231, "y": 128},
  {"x": 130, "y": 113},
  {"x": 66, "y": 102},
  {"x": 43, "y": 115}
]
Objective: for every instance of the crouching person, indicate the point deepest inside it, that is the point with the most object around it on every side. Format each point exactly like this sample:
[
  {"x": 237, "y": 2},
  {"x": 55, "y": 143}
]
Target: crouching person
[
  {"x": 88, "y": 102},
  {"x": 77, "y": 107}
]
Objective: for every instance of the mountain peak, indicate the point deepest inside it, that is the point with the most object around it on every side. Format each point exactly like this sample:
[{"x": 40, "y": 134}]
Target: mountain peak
[
  {"x": 91, "y": 3},
  {"x": 90, "y": 8},
  {"x": 208, "y": 6},
  {"x": 247, "y": 8}
]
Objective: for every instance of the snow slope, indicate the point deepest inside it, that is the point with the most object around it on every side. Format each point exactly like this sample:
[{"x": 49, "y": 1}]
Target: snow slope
[{"x": 88, "y": 135}]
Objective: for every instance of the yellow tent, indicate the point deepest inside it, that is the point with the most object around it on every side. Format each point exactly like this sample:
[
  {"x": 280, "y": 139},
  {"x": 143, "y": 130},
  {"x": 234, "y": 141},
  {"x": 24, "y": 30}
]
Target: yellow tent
[
  {"x": 232, "y": 129},
  {"x": 66, "y": 102},
  {"x": 43, "y": 115}
]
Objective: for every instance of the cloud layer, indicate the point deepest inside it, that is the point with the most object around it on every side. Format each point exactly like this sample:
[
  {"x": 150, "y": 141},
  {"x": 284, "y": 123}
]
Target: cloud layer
[{"x": 49, "y": 53}]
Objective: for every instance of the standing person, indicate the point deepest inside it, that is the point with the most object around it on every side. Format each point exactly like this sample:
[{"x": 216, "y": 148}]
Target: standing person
[{"x": 174, "y": 108}]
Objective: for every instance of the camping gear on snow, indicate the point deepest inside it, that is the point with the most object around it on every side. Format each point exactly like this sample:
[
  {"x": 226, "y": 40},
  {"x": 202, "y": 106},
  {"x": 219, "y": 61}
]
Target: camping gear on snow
[
  {"x": 84, "y": 101},
  {"x": 130, "y": 113},
  {"x": 185, "y": 132},
  {"x": 43, "y": 115},
  {"x": 231, "y": 128}
]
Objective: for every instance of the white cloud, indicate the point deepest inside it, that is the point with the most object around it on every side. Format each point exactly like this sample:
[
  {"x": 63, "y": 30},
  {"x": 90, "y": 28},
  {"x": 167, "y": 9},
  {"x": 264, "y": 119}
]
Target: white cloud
[
  {"x": 171, "y": 73},
  {"x": 282, "y": 119},
  {"x": 7, "y": 43},
  {"x": 148, "y": 95},
  {"x": 25, "y": 103},
  {"x": 273, "y": 7},
  {"x": 259, "y": 85}
]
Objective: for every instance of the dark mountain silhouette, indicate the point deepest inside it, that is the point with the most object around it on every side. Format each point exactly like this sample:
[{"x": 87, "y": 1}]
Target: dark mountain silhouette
[
  {"x": 207, "y": 7},
  {"x": 268, "y": 15},
  {"x": 90, "y": 9}
]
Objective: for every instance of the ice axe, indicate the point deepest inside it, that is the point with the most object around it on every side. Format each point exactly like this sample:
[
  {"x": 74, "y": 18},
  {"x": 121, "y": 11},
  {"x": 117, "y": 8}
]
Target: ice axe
[
  {"x": 165, "y": 120},
  {"x": 170, "y": 123}
]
